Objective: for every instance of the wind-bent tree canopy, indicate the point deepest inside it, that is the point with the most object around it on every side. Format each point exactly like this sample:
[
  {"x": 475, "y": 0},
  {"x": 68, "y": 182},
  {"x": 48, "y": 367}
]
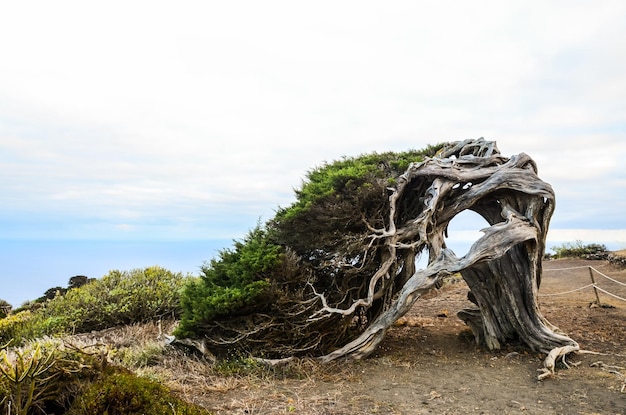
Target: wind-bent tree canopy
[{"x": 330, "y": 274}]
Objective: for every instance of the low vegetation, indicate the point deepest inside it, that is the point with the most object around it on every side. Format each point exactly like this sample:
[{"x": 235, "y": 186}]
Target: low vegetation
[
  {"x": 52, "y": 376},
  {"x": 237, "y": 280},
  {"x": 578, "y": 249},
  {"x": 262, "y": 297},
  {"x": 119, "y": 391},
  {"x": 118, "y": 298},
  {"x": 41, "y": 374},
  {"x": 5, "y": 308}
]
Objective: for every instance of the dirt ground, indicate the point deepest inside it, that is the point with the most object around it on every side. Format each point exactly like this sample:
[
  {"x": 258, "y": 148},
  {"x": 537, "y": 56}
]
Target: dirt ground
[{"x": 429, "y": 363}]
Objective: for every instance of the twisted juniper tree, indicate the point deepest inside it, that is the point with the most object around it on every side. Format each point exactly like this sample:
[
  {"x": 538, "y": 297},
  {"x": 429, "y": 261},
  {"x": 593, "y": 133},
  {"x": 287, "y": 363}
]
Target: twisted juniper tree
[{"x": 343, "y": 266}]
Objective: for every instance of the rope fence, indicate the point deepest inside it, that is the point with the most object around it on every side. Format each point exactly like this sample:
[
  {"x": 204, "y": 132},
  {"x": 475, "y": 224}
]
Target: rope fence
[
  {"x": 593, "y": 284},
  {"x": 567, "y": 292},
  {"x": 611, "y": 294}
]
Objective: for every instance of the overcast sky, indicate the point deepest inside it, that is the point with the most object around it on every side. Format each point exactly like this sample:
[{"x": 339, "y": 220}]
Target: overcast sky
[{"x": 137, "y": 120}]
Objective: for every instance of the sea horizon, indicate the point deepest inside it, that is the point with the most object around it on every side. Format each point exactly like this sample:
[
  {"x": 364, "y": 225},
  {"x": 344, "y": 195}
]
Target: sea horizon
[{"x": 32, "y": 266}]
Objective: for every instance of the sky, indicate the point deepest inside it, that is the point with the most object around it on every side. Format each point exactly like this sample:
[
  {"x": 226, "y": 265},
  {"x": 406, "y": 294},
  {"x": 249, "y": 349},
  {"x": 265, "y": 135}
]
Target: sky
[{"x": 181, "y": 122}]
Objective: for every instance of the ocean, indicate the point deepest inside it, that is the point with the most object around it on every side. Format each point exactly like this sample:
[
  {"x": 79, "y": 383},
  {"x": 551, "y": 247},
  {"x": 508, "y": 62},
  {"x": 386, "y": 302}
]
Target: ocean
[{"x": 30, "y": 267}]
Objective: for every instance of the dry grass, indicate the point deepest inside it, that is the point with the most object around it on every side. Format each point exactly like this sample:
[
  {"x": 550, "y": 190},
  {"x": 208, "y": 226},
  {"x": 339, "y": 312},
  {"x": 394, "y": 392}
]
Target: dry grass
[
  {"x": 259, "y": 388},
  {"x": 427, "y": 353}
]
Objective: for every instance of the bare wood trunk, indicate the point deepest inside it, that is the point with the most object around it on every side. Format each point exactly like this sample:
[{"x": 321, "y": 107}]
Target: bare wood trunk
[
  {"x": 502, "y": 269},
  {"x": 359, "y": 272}
]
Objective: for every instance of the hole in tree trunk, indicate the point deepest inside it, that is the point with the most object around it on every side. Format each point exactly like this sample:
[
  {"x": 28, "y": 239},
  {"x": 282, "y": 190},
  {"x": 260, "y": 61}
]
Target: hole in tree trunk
[
  {"x": 421, "y": 260},
  {"x": 464, "y": 230}
]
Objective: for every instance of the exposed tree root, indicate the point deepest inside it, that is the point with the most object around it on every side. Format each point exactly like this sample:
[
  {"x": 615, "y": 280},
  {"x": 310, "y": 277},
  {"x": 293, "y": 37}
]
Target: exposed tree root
[
  {"x": 502, "y": 269},
  {"x": 358, "y": 253},
  {"x": 549, "y": 362}
]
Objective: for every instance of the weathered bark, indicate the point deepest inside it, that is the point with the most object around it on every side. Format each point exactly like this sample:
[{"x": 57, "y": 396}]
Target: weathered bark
[
  {"x": 502, "y": 269},
  {"x": 349, "y": 264}
]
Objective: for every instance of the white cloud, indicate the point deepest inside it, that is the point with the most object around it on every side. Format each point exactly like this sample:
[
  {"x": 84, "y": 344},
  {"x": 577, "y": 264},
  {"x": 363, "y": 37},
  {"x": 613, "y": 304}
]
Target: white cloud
[
  {"x": 616, "y": 238},
  {"x": 194, "y": 112}
]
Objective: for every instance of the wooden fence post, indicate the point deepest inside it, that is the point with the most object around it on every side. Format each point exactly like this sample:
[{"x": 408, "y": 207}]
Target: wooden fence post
[{"x": 593, "y": 281}]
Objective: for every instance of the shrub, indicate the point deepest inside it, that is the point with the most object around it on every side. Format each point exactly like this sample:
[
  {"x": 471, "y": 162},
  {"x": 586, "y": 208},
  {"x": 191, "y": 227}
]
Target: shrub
[
  {"x": 37, "y": 375},
  {"x": 119, "y": 298},
  {"x": 146, "y": 354},
  {"x": 579, "y": 250},
  {"x": 27, "y": 379},
  {"x": 352, "y": 175},
  {"x": 5, "y": 308},
  {"x": 47, "y": 376},
  {"x": 234, "y": 281},
  {"x": 16, "y": 326},
  {"x": 119, "y": 392},
  {"x": 259, "y": 297}
]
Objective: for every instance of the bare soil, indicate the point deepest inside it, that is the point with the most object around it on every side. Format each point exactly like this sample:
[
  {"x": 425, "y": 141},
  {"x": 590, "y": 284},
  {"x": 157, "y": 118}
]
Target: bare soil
[{"x": 430, "y": 364}]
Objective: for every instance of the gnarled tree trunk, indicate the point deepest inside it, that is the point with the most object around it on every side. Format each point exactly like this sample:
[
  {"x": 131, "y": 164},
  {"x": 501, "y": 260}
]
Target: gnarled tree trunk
[
  {"x": 502, "y": 268},
  {"x": 348, "y": 269}
]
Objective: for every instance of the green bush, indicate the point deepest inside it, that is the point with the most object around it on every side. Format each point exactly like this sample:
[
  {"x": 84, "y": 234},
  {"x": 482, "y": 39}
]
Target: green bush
[
  {"x": 15, "y": 327},
  {"x": 140, "y": 356},
  {"x": 234, "y": 281},
  {"x": 258, "y": 297},
  {"x": 120, "y": 392},
  {"x": 5, "y": 308},
  {"x": 46, "y": 376},
  {"x": 119, "y": 298},
  {"x": 578, "y": 249},
  {"x": 39, "y": 375},
  {"x": 352, "y": 175}
]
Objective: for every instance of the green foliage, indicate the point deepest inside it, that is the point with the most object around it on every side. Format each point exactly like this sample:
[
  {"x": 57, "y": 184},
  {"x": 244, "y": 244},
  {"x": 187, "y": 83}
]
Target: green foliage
[
  {"x": 248, "y": 262},
  {"x": 52, "y": 293},
  {"x": 5, "y": 308},
  {"x": 257, "y": 296},
  {"x": 335, "y": 197},
  {"x": 16, "y": 326},
  {"x": 47, "y": 376},
  {"x": 28, "y": 306},
  {"x": 353, "y": 175},
  {"x": 33, "y": 377},
  {"x": 120, "y": 392},
  {"x": 239, "y": 366},
  {"x": 578, "y": 249},
  {"x": 77, "y": 281},
  {"x": 26, "y": 381},
  {"x": 121, "y": 297},
  {"x": 234, "y": 281}
]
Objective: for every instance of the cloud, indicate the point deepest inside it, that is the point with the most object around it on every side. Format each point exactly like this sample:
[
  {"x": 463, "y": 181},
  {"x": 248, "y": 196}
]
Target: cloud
[
  {"x": 614, "y": 238},
  {"x": 198, "y": 118}
]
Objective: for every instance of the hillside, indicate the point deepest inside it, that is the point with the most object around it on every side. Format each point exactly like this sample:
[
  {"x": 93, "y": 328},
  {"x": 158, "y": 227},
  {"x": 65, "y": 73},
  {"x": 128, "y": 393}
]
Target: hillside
[{"x": 428, "y": 363}]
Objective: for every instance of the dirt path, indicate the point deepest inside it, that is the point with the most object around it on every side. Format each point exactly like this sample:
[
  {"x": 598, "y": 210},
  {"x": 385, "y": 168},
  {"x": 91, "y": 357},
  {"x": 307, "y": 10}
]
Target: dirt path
[{"x": 429, "y": 364}]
